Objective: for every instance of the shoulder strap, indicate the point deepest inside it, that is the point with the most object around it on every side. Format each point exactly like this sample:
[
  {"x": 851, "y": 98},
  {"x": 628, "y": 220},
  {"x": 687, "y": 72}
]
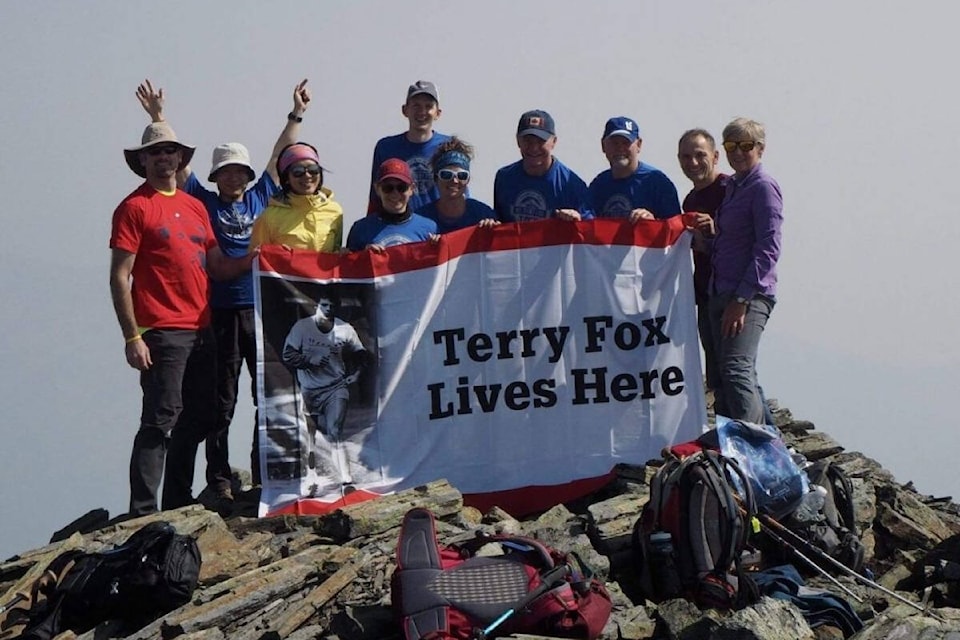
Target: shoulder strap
[
  {"x": 418, "y": 563},
  {"x": 841, "y": 488},
  {"x": 535, "y": 552}
]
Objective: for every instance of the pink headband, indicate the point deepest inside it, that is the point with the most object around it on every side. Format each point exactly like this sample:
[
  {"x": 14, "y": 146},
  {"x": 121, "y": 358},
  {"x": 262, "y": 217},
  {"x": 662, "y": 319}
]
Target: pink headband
[{"x": 296, "y": 153}]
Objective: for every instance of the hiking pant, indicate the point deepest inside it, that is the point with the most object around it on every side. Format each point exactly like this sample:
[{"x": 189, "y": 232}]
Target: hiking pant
[
  {"x": 179, "y": 411},
  {"x": 739, "y": 396},
  {"x": 710, "y": 369},
  {"x": 236, "y": 344}
]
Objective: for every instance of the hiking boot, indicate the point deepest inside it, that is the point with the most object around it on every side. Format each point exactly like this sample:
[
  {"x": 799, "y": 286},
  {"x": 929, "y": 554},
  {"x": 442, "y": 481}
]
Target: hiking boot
[{"x": 223, "y": 502}]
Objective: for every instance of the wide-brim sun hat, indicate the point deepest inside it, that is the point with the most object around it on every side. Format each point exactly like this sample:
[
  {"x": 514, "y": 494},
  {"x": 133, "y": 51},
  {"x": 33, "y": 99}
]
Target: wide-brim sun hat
[{"x": 156, "y": 133}]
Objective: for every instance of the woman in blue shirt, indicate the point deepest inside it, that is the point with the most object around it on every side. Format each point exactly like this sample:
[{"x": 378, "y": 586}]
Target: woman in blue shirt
[{"x": 451, "y": 172}]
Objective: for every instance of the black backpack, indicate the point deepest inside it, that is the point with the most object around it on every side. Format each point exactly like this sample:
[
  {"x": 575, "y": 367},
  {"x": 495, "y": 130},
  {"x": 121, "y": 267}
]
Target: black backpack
[
  {"x": 834, "y": 530},
  {"x": 155, "y": 571},
  {"x": 693, "y": 530}
]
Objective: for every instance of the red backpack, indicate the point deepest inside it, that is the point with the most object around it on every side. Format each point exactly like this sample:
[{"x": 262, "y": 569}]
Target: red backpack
[{"x": 451, "y": 592}]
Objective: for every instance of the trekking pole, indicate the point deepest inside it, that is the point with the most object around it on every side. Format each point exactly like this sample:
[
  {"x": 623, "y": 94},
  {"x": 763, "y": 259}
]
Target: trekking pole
[
  {"x": 771, "y": 523},
  {"x": 796, "y": 551},
  {"x": 813, "y": 565},
  {"x": 548, "y": 581},
  {"x": 18, "y": 597}
]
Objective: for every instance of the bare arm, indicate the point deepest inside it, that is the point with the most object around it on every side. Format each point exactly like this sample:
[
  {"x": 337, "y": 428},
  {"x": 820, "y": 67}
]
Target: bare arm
[
  {"x": 291, "y": 131},
  {"x": 135, "y": 350},
  {"x": 152, "y": 102}
]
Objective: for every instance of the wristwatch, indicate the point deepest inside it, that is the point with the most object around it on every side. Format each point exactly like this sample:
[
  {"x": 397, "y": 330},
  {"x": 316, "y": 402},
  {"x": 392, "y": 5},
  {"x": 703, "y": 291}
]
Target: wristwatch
[{"x": 294, "y": 117}]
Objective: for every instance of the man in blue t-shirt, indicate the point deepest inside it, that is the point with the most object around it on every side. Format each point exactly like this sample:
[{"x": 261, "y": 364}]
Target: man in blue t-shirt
[
  {"x": 233, "y": 209},
  {"x": 415, "y": 146},
  {"x": 630, "y": 188},
  {"x": 538, "y": 185}
]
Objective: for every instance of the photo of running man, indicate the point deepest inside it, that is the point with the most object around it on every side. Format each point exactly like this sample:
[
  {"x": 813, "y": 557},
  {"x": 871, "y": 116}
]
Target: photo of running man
[{"x": 315, "y": 348}]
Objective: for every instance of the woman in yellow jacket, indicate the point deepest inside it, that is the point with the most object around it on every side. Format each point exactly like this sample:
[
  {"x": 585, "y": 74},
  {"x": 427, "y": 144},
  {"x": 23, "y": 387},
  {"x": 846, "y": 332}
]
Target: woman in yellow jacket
[{"x": 304, "y": 215}]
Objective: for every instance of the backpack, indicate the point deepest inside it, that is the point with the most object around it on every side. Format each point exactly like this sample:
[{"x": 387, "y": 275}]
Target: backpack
[
  {"x": 833, "y": 527},
  {"x": 693, "y": 531},
  {"x": 155, "y": 571},
  {"x": 936, "y": 575},
  {"x": 451, "y": 592}
]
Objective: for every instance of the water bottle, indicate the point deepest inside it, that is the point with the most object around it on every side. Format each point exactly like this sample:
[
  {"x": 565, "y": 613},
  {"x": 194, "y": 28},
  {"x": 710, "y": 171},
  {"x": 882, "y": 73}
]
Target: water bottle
[
  {"x": 811, "y": 505},
  {"x": 663, "y": 567}
]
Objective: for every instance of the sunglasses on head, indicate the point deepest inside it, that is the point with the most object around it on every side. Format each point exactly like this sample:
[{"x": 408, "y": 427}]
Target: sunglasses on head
[
  {"x": 449, "y": 174},
  {"x": 168, "y": 149},
  {"x": 390, "y": 187},
  {"x": 312, "y": 169},
  {"x": 744, "y": 145}
]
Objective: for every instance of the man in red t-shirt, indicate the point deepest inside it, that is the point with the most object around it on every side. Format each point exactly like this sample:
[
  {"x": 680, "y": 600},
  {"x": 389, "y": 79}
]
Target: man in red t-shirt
[{"x": 162, "y": 247}]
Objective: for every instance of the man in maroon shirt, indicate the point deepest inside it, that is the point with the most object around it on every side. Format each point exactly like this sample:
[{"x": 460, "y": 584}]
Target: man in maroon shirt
[{"x": 698, "y": 156}]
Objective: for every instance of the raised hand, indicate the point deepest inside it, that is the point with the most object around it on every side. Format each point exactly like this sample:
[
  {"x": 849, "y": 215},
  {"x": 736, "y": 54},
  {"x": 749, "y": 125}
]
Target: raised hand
[
  {"x": 301, "y": 97},
  {"x": 151, "y": 100}
]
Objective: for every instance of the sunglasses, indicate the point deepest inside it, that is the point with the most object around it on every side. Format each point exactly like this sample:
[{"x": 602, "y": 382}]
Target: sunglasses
[
  {"x": 298, "y": 172},
  {"x": 168, "y": 149},
  {"x": 390, "y": 187},
  {"x": 450, "y": 174},
  {"x": 744, "y": 145}
]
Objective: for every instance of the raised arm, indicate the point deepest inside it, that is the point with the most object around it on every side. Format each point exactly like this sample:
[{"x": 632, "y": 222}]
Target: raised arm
[
  {"x": 152, "y": 102},
  {"x": 291, "y": 131}
]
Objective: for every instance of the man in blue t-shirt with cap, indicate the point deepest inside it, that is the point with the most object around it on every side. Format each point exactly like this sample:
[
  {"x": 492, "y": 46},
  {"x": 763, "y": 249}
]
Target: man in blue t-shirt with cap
[
  {"x": 415, "y": 146},
  {"x": 630, "y": 188},
  {"x": 538, "y": 185}
]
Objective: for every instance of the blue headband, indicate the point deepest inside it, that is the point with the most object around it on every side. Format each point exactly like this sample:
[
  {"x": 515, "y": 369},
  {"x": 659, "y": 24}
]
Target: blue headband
[{"x": 452, "y": 159}]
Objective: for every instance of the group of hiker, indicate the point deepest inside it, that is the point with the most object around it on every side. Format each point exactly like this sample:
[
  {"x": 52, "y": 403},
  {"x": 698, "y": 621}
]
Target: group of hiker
[{"x": 182, "y": 253}]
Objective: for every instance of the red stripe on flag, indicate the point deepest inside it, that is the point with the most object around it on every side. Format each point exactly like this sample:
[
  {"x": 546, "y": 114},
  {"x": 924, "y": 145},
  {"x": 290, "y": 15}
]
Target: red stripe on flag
[
  {"x": 655, "y": 234},
  {"x": 526, "y": 500},
  {"x": 518, "y": 502},
  {"x": 316, "y": 507}
]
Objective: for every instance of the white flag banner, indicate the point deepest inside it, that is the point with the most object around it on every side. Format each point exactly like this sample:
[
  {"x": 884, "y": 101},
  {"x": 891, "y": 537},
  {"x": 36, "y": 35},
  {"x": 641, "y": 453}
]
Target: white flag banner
[{"x": 520, "y": 363}]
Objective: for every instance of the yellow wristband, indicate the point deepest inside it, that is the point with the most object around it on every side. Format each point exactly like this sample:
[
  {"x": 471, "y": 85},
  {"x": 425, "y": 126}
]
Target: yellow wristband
[{"x": 134, "y": 339}]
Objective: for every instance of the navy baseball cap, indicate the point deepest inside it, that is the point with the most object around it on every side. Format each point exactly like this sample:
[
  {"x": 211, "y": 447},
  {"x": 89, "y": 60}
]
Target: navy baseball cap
[
  {"x": 538, "y": 123},
  {"x": 621, "y": 126}
]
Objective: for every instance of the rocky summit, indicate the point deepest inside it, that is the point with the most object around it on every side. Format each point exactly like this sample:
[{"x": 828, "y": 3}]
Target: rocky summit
[{"x": 307, "y": 577}]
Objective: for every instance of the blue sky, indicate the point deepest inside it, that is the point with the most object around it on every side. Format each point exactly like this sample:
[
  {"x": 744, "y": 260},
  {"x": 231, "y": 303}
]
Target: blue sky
[{"x": 858, "y": 99}]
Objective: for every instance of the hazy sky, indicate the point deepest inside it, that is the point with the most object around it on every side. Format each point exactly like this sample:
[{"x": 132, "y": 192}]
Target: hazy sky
[{"x": 858, "y": 97}]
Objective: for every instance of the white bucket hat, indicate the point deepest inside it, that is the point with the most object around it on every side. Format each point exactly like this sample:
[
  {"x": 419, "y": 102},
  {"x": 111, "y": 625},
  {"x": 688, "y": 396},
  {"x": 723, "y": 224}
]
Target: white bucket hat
[
  {"x": 231, "y": 153},
  {"x": 156, "y": 133}
]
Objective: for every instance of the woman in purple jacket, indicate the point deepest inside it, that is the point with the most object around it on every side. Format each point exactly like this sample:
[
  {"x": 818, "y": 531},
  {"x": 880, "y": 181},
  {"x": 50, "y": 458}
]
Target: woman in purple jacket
[{"x": 743, "y": 287}]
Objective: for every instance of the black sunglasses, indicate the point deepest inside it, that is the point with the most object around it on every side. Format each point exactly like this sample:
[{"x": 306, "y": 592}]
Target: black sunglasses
[
  {"x": 299, "y": 172},
  {"x": 390, "y": 187},
  {"x": 168, "y": 149}
]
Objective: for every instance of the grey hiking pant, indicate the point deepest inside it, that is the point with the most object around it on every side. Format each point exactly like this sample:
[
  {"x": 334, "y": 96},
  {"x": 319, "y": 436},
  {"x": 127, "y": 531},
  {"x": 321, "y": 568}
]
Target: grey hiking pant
[{"x": 739, "y": 396}]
